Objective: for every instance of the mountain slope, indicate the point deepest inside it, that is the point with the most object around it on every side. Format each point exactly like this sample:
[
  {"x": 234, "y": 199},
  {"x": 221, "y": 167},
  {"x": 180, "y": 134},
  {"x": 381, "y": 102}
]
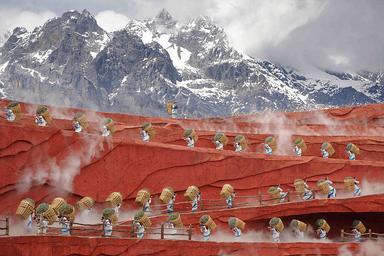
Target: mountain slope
[{"x": 71, "y": 61}]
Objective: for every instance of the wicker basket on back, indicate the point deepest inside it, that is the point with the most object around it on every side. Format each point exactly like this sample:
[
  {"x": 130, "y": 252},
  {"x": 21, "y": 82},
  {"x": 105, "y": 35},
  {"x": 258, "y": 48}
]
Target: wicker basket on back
[
  {"x": 353, "y": 148},
  {"x": 221, "y": 137},
  {"x": 68, "y": 211},
  {"x": 44, "y": 112},
  {"x": 85, "y": 203},
  {"x": 191, "y": 133},
  {"x": 142, "y": 196},
  {"x": 82, "y": 119},
  {"x": 271, "y": 142},
  {"x": 149, "y": 129},
  {"x": 277, "y": 224},
  {"x": 47, "y": 212},
  {"x": 166, "y": 195},
  {"x": 323, "y": 186},
  {"x": 208, "y": 221},
  {"x": 349, "y": 183},
  {"x": 299, "y": 186},
  {"x": 114, "y": 199},
  {"x": 108, "y": 122},
  {"x": 299, "y": 225},
  {"x": 328, "y": 147},
  {"x": 191, "y": 192},
  {"x": 110, "y": 213},
  {"x": 26, "y": 208},
  {"x": 57, "y": 203},
  {"x": 322, "y": 223},
  {"x": 169, "y": 106},
  {"x": 236, "y": 222},
  {"x": 142, "y": 217},
  {"x": 15, "y": 107},
  {"x": 226, "y": 191},
  {"x": 175, "y": 218},
  {"x": 357, "y": 224},
  {"x": 274, "y": 193},
  {"x": 242, "y": 141},
  {"x": 301, "y": 144}
]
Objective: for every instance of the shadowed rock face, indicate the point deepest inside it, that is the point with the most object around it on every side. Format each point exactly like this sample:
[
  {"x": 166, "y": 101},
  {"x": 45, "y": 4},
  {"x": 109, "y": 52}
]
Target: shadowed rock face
[{"x": 71, "y": 61}]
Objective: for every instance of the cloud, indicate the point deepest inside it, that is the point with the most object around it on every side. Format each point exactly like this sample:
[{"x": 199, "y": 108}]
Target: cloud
[{"x": 111, "y": 21}]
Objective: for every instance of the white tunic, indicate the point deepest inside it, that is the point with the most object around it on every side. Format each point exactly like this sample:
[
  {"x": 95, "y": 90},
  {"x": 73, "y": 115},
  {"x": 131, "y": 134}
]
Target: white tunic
[
  {"x": 65, "y": 226},
  {"x": 206, "y": 232},
  {"x": 105, "y": 131},
  {"x": 107, "y": 225},
  {"x": 10, "y": 116},
  {"x": 236, "y": 232},
  {"x": 356, "y": 234},
  {"x": 332, "y": 190},
  {"x": 77, "y": 127},
  {"x": 325, "y": 153},
  {"x": 298, "y": 151},
  {"x": 40, "y": 121},
  {"x": 219, "y": 145},
  {"x": 140, "y": 231},
  {"x": 357, "y": 190},
  {"x": 322, "y": 234},
  {"x": 238, "y": 147},
  {"x": 43, "y": 227},
  {"x": 351, "y": 155},
  {"x": 145, "y": 135},
  {"x": 190, "y": 142},
  {"x": 268, "y": 149},
  {"x": 195, "y": 203},
  {"x": 275, "y": 235},
  {"x": 170, "y": 205}
]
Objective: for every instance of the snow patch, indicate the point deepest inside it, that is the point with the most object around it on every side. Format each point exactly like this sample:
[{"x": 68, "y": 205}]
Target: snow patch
[
  {"x": 34, "y": 73},
  {"x": 41, "y": 56},
  {"x": 3, "y": 66}
]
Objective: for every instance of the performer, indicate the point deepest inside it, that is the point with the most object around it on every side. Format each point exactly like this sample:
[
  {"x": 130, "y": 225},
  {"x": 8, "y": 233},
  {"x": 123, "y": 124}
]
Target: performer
[
  {"x": 174, "y": 111},
  {"x": 267, "y": 149},
  {"x": 190, "y": 142},
  {"x": 206, "y": 232},
  {"x": 298, "y": 150},
  {"x": 195, "y": 202},
  {"x": 356, "y": 234},
  {"x": 29, "y": 222},
  {"x": 322, "y": 234},
  {"x": 10, "y": 115},
  {"x": 324, "y": 153},
  {"x": 42, "y": 225},
  {"x": 332, "y": 190},
  {"x": 107, "y": 226},
  {"x": 140, "y": 229},
  {"x": 146, "y": 205},
  {"x": 229, "y": 200},
  {"x": 144, "y": 135},
  {"x": 308, "y": 194},
  {"x": 236, "y": 232},
  {"x": 357, "y": 190},
  {"x": 283, "y": 194},
  {"x": 105, "y": 131},
  {"x": 77, "y": 126},
  {"x": 171, "y": 204},
  {"x": 351, "y": 155},
  {"x": 275, "y": 235},
  {"x": 219, "y": 145},
  {"x": 65, "y": 226},
  {"x": 40, "y": 121}
]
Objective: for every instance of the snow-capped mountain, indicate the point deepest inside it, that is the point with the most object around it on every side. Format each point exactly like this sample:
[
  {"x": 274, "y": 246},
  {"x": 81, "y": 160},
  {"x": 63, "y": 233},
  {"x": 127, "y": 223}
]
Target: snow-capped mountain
[{"x": 71, "y": 61}]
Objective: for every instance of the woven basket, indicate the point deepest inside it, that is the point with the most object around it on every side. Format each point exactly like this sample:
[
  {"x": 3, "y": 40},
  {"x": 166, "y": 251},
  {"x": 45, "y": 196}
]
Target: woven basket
[
  {"x": 242, "y": 141},
  {"x": 272, "y": 142},
  {"x": 169, "y": 106},
  {"x": 221, "y": 137},
  {"x": 142, "y": 197},
  {"x": 110, "y": 213},
  {"x": 322, "y": 223},
  {"x": 357, "y": 224},
  {"x": 353, "y": 148},
  {"x": 323, "y": 186},
  {"x": 166, "y": 195},
  {"x": 328, "y": 147},
  {"x": 277, "y": 224},
  {"x": 68, "y": 211},
  {"x": 47, "y": 212},
  {"x": 15, "y": 107},
  {"x": 142, "y": 217},
  {"x": 191, "y": 192},
  {"x": 299, "y": 186},
  {"x": 82, "y": 119},
  {"x": 274, "y": 193},
  {"x": 226, "y": 191},
  {"x": 191, "y": 133},
  {"x": 57, "y": 203},
  {"x": 208, "y": 221},
  {"x": 299, "y": 225},
  {"x": 44, "y": 112},
  {"x": 236, "y": 222},
  {"x": 114, "y": 199},
  {"x": 85, "y": 203},
  {"x": 108, "y": 122},
  {"x": 25, "y": 208},
  {"x": 149, "y": 129},
  {"x": 175, "y": 218},
  {"x": 349, "y": 183},
  {"x": 300, "y": 143}
]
